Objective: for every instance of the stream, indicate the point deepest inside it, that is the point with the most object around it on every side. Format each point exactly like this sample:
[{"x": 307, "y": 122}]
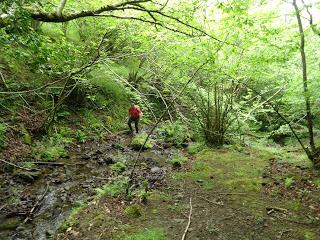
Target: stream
[{"x": 36, "y": 209}]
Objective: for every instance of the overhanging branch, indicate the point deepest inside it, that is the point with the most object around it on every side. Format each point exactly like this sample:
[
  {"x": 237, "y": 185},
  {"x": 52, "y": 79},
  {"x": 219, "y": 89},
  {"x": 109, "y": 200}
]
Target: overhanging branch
[{"x": 53, "y": 17}]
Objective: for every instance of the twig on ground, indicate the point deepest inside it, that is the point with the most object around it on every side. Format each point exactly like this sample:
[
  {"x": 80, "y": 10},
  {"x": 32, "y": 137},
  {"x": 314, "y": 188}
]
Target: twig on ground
[
  {"x": 209, "y": 201},
  {"x": 189, "y": 222},
  {"x": 57, "y": 163},
  {"x": 295, "y": 221},
  {"x": 36, "y": 205},
  {"x": 231, "y": 193},
  {"x": 102, "y": 178},
  {"x": 3, "y": 206},
  {"x": 228, "y": 217},
  {"x": 272, "y": 209},
  {"x": 22, "y": 168}
]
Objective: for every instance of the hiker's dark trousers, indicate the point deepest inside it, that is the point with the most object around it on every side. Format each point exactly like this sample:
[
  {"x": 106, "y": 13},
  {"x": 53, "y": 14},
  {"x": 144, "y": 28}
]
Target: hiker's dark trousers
[{"x": 136, "y": 122}]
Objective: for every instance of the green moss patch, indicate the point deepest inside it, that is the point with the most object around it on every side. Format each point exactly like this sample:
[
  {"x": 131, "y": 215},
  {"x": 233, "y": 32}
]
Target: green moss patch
[
  {"x": 138, "y": 141},
  {"x": 147, "y": 234}
]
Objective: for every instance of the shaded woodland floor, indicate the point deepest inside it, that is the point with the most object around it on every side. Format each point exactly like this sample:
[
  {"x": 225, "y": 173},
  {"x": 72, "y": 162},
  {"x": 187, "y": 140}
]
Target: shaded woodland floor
[{"x": 235, "y": 192}]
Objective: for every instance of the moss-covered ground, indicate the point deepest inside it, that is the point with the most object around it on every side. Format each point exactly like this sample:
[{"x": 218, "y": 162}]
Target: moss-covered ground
[{"x": 232, "y": 193}]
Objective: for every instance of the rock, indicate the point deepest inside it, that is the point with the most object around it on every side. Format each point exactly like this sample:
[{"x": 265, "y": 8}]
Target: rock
[
  {"x": 184, "y": 144},
  {"x": 100, "y": 160},
  {"x": 86, "y": 156},
  {"x": 98, "y": 152},
  {"x": 49, "y": 233},
  {"x": 166, "y": 145},
  {"x": 108, "y": 160},
  {"x": 155, "y": 170},
  {"x": 27, "y": 176}
]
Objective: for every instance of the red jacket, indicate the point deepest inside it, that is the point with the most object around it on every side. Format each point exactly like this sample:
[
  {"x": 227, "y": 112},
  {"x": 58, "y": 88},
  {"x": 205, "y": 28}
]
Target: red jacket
[{"x": 134, "y": 112}]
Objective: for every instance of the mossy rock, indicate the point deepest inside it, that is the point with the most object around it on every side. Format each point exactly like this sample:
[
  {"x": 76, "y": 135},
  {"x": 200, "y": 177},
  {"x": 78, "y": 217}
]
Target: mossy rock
[
  {"x": 138, "y": 141},
  {"x": 28, "y": 176}
]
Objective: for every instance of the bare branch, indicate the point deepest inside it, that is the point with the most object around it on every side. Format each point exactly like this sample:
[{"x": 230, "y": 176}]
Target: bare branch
[
  {"x": 53, "y": 17},
  {"x": 61, "y": 7},
  {"x": 148, "y": 21},
  {"x": 312, "y": 25}
]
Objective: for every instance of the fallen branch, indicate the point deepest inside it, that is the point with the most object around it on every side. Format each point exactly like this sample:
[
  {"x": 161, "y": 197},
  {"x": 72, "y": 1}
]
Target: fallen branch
[
  {"x": 209, "y": 201},
  {"x": 230, "y": 193},
  {"x": 3, "y": 206},
  {"x": 36, "y": 205},
  {"x": 57, "y": 163},
  {"x": 189, "y": 222},
  {"x": 278, "y": 209},
  {"x": 22, "y": 168}
]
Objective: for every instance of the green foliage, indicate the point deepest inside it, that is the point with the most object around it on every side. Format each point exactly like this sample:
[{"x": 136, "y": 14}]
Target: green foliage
[
  {"x": 113, "y": 189},
  {"x": 52, "y": 146},
  {"x": 47, "y": 153},
  {"x": 81, "y": 136},
  {"x": 175, "y": 132},
  {"x": 29, "y": 165},
  {"x": 195, "y": 147},
  {"x": 178, "y": 159},
  {"x": 3, "y": 129},
  {"x": 138, "y": 141},
  {"x": 309, "y": 235},
  {"x": 73, "y": 217},
  {"x": 134, "y": 211},
  {"x": 147, "y": 234},
  {"x": 317, "y": 182},
  {"x": 119, "y": 167},
  {"x": 288, "y": 181}
]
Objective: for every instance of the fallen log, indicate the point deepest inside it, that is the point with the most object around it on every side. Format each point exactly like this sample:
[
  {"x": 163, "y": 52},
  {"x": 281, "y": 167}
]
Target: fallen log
[{"x": 22, "y": 168}]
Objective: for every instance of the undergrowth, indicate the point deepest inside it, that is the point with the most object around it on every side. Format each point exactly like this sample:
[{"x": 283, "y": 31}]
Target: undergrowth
[
  {"x": 113, "y": 189},
  {"x": 147, "y": 234}
]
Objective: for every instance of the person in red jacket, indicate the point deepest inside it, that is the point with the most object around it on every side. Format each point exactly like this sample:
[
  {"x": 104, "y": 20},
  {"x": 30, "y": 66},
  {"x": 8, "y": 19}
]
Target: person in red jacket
[{"x": 134, "y": 116}]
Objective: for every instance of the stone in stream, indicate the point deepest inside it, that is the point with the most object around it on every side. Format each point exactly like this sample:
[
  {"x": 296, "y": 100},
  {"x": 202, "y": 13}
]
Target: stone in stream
[
  {"x": 105, "y": 160},
  {"x": 27, "y": 176}
]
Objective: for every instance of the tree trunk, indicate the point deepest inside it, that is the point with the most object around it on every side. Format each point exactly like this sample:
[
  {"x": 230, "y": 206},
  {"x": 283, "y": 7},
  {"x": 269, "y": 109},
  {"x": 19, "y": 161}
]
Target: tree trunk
[{"x": 305, "y": 79}]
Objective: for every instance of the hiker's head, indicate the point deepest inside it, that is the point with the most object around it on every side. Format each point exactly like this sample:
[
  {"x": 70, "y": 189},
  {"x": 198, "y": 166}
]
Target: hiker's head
[{"x": 133, "y": 104}]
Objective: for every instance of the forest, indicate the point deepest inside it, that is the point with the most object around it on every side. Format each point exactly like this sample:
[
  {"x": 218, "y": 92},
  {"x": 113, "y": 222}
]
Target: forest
[{"x": 223, "y": 102}]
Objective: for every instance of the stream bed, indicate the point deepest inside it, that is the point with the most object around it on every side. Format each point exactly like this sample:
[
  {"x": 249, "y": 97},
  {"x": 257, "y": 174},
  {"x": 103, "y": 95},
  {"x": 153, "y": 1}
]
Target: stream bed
[{"x": 36, "y": 209}]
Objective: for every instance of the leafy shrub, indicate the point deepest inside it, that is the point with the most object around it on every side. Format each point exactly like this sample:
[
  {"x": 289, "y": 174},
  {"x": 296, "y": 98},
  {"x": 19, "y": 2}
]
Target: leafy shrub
[
  {"x": 81, "y": 136},
  {"x": 50, "y": 153},
  {"x": 52, "y": 146},
  {"x": 113, "y": 189},
  {"x": 138, "y": 141},
  {"x": 196, "y": 147},
  {"x": 175, "y": 133},
  {"x": 119, "y": 167}
]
